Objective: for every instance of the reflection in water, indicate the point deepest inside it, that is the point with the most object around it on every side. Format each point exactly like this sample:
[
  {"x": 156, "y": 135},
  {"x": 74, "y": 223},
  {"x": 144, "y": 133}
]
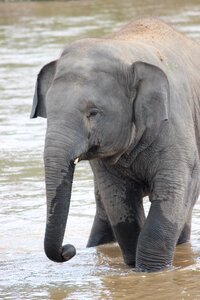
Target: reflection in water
[{"x": 32, "y": 34}]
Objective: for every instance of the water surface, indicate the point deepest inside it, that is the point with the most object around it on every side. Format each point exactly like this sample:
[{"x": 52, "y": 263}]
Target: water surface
[{"x": 32, "y": 34}]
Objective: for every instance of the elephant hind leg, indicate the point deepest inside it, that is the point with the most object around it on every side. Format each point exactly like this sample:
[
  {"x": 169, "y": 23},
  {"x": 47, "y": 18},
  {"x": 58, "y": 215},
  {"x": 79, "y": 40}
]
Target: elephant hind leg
[
  {"x": 193, "y": 193},
  {"x": 101, "y": 232},
  {"x": 185, "y": 233}
]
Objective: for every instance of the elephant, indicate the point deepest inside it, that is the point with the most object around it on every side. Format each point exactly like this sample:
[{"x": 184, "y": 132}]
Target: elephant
[{"x": 129, "y": 103}]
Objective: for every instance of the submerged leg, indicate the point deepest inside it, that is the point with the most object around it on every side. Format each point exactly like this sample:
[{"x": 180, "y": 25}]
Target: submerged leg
[{"x": 101, "y": 232}]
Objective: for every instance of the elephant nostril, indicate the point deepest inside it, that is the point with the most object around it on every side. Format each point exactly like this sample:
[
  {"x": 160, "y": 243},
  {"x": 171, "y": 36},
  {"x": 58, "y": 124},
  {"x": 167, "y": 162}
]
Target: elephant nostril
[{"x": 68, "y": 251}]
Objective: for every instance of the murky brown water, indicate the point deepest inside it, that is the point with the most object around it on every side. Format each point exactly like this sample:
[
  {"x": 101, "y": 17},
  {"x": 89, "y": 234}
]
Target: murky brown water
[{"x": 32, "y": 34}]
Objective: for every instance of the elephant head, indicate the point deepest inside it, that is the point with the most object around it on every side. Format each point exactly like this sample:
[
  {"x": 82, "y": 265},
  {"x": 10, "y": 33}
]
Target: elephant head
[{"x": 96, "y": 107}]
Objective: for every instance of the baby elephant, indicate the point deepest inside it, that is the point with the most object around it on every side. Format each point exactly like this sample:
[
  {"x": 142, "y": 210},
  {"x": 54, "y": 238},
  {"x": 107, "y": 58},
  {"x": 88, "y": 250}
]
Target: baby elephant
[{"x": 130, "y": 104}]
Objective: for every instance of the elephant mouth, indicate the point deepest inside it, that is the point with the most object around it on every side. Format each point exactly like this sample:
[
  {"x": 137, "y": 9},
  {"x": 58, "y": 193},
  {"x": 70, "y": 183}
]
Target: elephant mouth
[{"x": 92, "y": 153}]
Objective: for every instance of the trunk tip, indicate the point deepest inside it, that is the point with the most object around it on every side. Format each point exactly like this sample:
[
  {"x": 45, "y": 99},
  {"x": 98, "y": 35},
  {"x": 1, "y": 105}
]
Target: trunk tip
[
  {"x": 68, "y": 251},
  {"x": 65, "y": 254}
]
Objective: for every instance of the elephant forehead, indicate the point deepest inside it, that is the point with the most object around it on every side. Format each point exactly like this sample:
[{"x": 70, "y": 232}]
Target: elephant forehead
[
  {"x": 85, "y": 81},
  {"x": 93, "y": 64},
  {"x": 81, "y": 92},
  {"x": 75, "y": 63},
  {"x": 85, "y": 85},
  {"x": 82, "y": 73}
]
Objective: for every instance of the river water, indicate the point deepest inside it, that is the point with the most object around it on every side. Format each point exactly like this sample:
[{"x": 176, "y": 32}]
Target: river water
[{"x": 32, "y": 34}]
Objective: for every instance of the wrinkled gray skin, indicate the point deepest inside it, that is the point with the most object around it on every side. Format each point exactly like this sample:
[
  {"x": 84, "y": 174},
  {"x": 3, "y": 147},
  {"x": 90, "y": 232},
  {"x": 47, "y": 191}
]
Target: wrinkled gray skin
[{"x": 130, "y": 104}]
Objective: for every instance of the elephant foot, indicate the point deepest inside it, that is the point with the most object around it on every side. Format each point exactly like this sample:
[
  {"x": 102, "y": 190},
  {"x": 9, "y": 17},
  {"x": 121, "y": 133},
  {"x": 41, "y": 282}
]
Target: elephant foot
[{"x": 129, "y": 260}]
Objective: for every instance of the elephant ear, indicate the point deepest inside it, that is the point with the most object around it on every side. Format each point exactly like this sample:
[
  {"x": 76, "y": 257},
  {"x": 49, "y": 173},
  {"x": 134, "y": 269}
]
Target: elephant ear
[
  {"x": 150, "y": 104},
  {"x": 43, "y": 83}
]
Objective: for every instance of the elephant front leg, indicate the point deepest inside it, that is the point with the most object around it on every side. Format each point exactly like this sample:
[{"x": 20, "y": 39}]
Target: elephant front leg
[
  {"x": 157, "y": 241},
  {"x": 166, "y": 223},
  {"x": 122, "y": 201}
]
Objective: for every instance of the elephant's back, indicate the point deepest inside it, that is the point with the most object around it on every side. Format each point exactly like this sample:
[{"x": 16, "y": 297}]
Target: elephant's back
[
  {"x": 149, "y": 29},
  {"x": 157, "y": 33}
]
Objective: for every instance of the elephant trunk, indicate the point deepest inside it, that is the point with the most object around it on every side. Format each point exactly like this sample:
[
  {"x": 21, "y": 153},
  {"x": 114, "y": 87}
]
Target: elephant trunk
[{"x": 59, "y": 158}]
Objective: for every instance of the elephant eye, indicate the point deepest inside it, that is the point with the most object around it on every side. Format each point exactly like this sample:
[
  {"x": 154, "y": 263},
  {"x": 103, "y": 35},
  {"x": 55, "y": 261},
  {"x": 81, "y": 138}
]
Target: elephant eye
[{"x": 92, "y": 112}]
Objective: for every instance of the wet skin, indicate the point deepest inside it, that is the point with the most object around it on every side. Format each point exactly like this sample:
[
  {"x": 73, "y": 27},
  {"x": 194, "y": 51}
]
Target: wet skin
[{"x": 129, "y": 103}]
